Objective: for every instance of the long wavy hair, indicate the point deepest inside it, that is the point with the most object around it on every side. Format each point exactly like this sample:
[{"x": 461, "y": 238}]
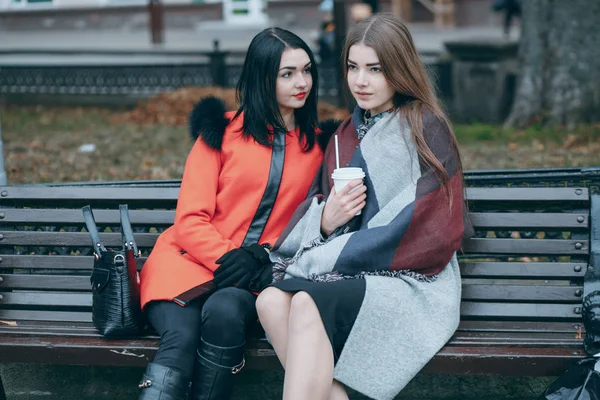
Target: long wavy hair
[
  {"x": 256, "y": 89},
  {"x": 404, "y": 71}
]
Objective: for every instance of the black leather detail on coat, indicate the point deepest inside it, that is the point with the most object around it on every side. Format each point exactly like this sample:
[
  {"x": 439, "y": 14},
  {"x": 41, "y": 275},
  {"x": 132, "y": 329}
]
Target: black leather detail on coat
[{"x": 257, "y": 226}]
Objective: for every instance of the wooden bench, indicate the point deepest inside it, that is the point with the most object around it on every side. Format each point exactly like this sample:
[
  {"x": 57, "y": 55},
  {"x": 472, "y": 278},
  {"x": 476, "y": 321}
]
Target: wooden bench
[{"x": 523, "y": 273}]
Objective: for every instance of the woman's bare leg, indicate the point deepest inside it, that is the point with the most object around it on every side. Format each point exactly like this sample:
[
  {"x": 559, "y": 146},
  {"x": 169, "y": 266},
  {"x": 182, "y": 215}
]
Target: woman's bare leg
[
  {"x": 309, "y": 361},
  {"x": 273, "y": 306}
]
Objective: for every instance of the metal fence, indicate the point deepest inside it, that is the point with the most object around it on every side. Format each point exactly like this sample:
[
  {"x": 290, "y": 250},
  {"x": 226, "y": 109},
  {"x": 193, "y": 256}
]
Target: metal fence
[{"x": 142, "y": 74}]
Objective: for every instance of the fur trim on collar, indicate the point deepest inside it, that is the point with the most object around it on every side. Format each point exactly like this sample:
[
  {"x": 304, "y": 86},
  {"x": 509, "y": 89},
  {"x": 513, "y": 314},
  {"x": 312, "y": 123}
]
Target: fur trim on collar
[{"x": 208, "y": 121}]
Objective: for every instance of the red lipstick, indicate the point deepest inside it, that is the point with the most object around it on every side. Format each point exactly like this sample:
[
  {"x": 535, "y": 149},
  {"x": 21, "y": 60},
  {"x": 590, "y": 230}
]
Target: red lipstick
[{"x": 300, "y": 95}]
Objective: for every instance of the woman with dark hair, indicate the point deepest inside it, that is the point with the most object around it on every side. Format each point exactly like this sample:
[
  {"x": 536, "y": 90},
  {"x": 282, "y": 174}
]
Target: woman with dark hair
[
  {"x": 243, "y": 179},
  {"x": 366, "y": 300}
]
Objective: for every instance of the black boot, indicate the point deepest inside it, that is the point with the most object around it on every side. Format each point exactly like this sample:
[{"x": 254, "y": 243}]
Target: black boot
[
  {"x": 214, "y": 371},
  {"x": 162, "y": 383}
]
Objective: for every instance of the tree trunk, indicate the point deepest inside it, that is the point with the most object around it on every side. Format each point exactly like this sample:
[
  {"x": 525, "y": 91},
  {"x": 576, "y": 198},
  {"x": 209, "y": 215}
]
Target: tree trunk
[{"x": 559, "y": 55}]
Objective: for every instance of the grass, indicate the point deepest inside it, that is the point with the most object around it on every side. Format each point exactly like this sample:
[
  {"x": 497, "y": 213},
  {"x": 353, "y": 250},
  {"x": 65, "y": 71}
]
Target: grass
[
  {"x": 41, "y": 145},
  {"x": 474, "y": 133}
]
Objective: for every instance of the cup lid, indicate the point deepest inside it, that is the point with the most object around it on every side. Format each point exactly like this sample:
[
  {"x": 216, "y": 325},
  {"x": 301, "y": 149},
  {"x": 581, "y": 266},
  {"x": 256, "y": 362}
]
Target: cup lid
[{"x": 348, "y": 173}]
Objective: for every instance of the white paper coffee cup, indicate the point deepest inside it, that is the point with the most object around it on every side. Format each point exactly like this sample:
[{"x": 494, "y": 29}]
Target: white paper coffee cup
[{"x": 343, "y": 176}]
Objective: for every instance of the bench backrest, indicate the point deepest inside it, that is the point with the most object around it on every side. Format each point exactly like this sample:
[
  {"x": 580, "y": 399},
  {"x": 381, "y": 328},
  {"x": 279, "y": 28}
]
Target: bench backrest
[{"x": 526, "y": 262}]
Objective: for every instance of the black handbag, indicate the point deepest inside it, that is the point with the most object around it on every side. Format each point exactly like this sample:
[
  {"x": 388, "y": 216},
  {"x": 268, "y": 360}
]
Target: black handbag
[
  {"x": 580, "y": 382},
  {"x": 115, "y": 281}
]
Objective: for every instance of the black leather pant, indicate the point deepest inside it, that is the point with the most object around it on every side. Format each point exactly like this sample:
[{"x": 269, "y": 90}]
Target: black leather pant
[{"x": 222, "y": 320}]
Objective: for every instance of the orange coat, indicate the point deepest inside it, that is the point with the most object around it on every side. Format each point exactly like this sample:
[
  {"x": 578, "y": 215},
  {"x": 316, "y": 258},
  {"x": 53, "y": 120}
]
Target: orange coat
[{"x": 220, "y": 193}]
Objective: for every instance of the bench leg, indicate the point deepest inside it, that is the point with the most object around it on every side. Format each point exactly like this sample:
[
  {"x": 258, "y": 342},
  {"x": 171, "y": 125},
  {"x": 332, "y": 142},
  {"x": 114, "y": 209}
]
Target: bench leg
[{"x": 2, "y": 394}]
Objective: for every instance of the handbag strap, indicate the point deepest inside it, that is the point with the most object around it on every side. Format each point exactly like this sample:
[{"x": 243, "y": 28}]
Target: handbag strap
[
  {"x": 90, "y": 223},
  {"x": 126, "y": 231}
]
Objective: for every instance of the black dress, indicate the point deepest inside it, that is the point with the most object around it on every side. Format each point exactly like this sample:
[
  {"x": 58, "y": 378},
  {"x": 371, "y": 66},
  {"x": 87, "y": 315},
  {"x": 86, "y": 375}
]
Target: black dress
[{"x": 338, "y": 303}]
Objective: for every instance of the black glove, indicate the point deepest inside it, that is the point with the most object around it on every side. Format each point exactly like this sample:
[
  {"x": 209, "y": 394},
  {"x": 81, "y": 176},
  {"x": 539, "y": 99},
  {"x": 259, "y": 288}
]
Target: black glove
[
  {"x": 262, "y": 278},
  {"x": 240, "y": 265}
]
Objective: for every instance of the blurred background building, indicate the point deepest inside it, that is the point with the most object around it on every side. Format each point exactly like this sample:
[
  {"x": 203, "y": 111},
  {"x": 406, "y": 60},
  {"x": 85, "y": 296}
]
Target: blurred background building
[
  {"x": 116, "y": 52},
  {"x": 185, "y": 14}
]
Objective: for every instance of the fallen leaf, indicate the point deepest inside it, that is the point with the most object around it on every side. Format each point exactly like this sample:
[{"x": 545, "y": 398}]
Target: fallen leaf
[{"x": 569, "y": 141}]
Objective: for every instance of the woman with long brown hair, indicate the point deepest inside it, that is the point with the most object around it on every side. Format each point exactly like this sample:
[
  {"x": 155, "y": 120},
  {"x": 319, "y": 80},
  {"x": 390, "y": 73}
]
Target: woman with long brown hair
[{"x": 367, "y": 285}]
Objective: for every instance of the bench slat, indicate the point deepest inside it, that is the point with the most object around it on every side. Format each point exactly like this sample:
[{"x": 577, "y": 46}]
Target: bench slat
[
  {"x": 521, "y": 326},
  {"x": 526, "y": 246},
  {"x": 478, "y": 246},
  {"x": 519, "y": 310},
  {"x": 149, "y": 194},
  {"x": 530, "y": 220},
  {"x": 565, "y": 294},
  {"x": 470, "y": 292},
  {"x": 45, "y": 282},
  {"x": 79, "y": 263},
  {"x": 34, "y": 315},
  {"x": 533, "y": 339},
  {"x": 47, "y": 262},
  {"x": 539, "y": 270},
  {"x": 50, "y": 216},
  {"x": 508, "y": 289},
  {"x": 89, "y": 193},
  {"x": 528, "y": 194},
  {"x": 547, "y": 343},
  {"x": 62, "y": 329},
  {"x": 46, "y": 299},
  {"x": 520, "y": 339},
  {"x": 70, "y": 239}
]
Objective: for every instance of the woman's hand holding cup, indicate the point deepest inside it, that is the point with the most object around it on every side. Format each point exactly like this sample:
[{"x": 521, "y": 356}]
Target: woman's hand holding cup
[{"x": 343, "y": 206}]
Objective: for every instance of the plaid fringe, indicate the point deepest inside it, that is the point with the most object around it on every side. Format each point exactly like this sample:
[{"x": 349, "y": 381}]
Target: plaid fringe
[
  {"x": 280, "y": 266},
  {"x": 336, "y": 276}
]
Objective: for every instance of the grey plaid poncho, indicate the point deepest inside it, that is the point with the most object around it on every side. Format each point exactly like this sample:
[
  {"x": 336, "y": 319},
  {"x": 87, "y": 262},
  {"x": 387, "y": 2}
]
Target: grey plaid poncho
[{"x": 404, "y": 245}]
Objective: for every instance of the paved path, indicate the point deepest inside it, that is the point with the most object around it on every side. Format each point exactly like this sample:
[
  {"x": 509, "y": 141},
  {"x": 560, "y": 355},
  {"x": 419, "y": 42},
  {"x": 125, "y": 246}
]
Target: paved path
[{"x": 232, "y": 38}]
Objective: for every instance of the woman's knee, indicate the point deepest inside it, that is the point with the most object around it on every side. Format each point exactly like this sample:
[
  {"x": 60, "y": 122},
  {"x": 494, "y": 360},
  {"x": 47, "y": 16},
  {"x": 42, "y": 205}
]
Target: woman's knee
[
  {"x": 178, "y": 327},
  {"x": 225, "y": 316},
  {"x": 304, "y": 314},
  {"x": 271, "y": 301}
]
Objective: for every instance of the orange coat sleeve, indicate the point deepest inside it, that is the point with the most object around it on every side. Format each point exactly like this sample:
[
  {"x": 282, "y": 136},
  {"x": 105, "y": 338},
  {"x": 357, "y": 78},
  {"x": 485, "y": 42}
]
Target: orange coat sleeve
[{"x": 196, "y": 206}]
